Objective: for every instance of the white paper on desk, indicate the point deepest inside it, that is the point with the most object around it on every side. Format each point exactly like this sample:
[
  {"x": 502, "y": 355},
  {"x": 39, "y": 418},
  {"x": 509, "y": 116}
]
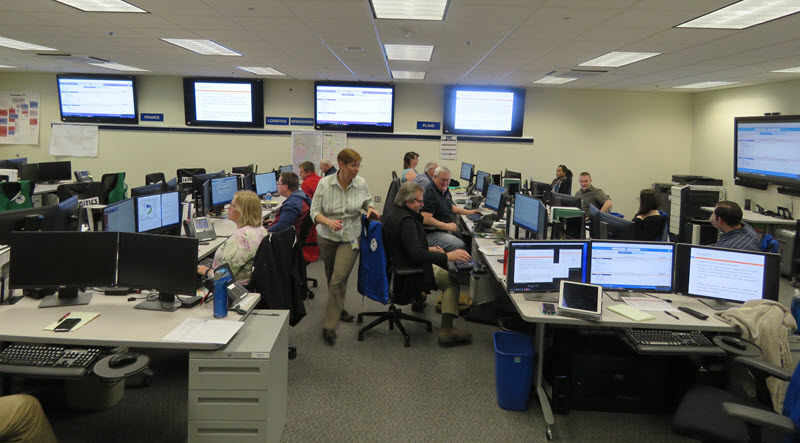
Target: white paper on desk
[
  {"x": 493, "y": 250},
  {"x": 648, "y": 304},
  {"x": 196, "y": 330}
]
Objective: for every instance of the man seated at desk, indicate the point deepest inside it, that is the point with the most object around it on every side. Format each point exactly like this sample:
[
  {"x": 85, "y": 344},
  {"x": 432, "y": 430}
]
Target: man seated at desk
[
  {"x": 439, "y": 212},
  {"x": 326, "y": 167},
  {"x": 408, "y": 245},
  {"x": 426, "y": 177},
  {"x": 310, "y": 178},
  {"x": 592, "y": 196},
  {"x": 736, "y": 234},
  {"x": 294, "y": 209}
]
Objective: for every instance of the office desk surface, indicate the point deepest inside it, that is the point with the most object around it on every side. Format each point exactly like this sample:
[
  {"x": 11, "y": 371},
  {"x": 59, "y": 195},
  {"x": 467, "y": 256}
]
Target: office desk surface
[
  {"x": 755, "y": 217},
  {"x": 119, "y": 324}
]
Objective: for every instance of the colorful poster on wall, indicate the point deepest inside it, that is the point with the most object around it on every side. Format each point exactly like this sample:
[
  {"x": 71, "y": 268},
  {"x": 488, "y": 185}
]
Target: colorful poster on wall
[
  {"x": 449, "y": 147},
  {"x": 19, "y": 118}
]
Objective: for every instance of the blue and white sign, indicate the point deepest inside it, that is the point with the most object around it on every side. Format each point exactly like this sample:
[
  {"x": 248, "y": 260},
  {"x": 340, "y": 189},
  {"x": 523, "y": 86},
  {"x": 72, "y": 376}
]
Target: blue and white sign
[
  {"x": 429, "y": 125},
  {"x": 283, "y": 121},
  {"x": 302, "y": 121},
  {"x": 145, "y": 117}
]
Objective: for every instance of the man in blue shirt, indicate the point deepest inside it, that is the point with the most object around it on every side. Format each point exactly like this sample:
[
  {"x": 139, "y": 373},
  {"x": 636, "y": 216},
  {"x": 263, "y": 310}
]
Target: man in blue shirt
[
  {"x": 294, "y": 209},
  {"x": 727, "y": 217},
  {"x": 426, "y": 177}
]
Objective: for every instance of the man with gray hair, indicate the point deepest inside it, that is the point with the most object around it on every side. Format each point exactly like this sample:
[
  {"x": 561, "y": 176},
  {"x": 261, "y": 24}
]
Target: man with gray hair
[
  {"x": 426, "y": 177},
  {"x": 408, "y": 247},
  {"x": 439, "y": 212},
  {"x": 326, "y": 167}
]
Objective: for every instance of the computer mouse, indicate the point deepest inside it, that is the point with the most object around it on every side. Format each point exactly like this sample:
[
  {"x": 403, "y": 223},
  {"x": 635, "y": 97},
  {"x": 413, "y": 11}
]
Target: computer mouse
[
  {"x": 123, "y": 359},
  {"x": 734, "y": 342}
]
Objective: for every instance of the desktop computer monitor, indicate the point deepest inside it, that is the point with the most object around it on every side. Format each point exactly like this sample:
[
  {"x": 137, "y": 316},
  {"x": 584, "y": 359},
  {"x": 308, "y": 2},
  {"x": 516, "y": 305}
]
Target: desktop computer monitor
[
  {"x": 282, "y": 169},
  {"x": 120, "y": 216},
  {"x": 31, "y": 219},
  {"x": 512, "y": 174},
  {"x": 480, "y": 181},
  {"x": 723, "y": 278},
  {"x": 265, "y": 184},
  {"x": 158, "y": 213},
  {"x": 493, "y": 197},
  {"x": 91, "y": 261},
  {"x": 540, "y": 265},
  {"x": 531, "y": 215},
  {"x": 466, "y": 171},
  {"x": 166, "y": 264},
  {"x": 222, "y": 191},
  {"x": 155, "y": 188},
  {"x": 244, "y": 170},
  {"x": 63, "y": 216},
  {"x": 632, "y": 266},
  {"x": 29, "y": 171},
  {"x": 13, "y": 163},
  {"x": 613, "y": 227},
  {"x": 557, "y": 199},
  {"x": 55, "y": 171},
  {"x": 538, "y": 188},
  {"x": 512, "y": 184}
]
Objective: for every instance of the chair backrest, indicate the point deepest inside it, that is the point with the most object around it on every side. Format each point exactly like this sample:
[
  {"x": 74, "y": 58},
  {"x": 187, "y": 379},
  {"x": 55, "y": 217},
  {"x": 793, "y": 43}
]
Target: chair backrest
[
  {"x": 373, "y": 268},
  {"x": 665, "y": 231},
  {"x": 388, "y": 205},
  {"x": 16, "y": 195},
  {"x": 113, "y": 188},
  {"x": 87, "y": 192},
  {"x": 566, "y": 186},
  {"x": 791, "y": 402},
  {"x": 769, "y": 244},
  {"x": 394, "y": 174},
  {"x": 156, "y": 177}
]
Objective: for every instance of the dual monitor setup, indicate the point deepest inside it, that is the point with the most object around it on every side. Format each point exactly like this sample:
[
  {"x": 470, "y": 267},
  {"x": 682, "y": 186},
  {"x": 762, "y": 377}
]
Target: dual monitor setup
[
  {"x": 718, "y": 277},
  {"x": 165, "y": 264},
  {"x": 43, "y": 172}
]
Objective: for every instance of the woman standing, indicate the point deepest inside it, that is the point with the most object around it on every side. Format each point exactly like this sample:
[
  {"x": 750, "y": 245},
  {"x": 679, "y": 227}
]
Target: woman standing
[
  {"x": 410, "y": 161},
  {"x": 336, "y": 208}
]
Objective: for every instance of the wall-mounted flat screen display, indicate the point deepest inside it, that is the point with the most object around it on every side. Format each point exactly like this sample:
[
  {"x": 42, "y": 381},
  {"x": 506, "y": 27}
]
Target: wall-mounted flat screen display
[
  {"x": 350, "y": 106},
  {"x": 87, "y": 98},
  {"x": 482, "y": 110},
  {"x": 767, "y": 150},
  {"x": 232, "y": 102}
]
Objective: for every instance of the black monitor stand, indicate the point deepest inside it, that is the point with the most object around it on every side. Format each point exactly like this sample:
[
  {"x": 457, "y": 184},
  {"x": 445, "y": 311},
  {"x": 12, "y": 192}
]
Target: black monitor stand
[
  {"x": 165, "y": 302},
  {"x": 66, "y": 297},
  {"x": 718, "y": 305}
]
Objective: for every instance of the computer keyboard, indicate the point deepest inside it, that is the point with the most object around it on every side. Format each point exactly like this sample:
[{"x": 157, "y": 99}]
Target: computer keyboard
[
  {"x": 461, "y": 266},
  {"x": 664, "y": 341},
  {"x": 207, "y": 262},
  {"x": 475, "y": 217},
  {"x": 47, "y": 360}
]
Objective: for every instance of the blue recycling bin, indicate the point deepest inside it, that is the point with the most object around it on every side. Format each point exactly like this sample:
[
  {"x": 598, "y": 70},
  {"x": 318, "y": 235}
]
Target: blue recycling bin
[{"x": 513, "y": 369}]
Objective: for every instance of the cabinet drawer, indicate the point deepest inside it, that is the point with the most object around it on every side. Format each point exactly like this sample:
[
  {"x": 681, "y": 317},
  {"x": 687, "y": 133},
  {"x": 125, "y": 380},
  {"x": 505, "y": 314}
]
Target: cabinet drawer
[
  {"x": 231, "y": 431},
  {"x": 228, "y": 405},
  {"x": 242, "y": 374}
]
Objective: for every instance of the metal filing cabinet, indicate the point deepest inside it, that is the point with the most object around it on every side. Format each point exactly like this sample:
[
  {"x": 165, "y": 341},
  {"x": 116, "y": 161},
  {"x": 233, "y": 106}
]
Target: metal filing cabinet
[{"x": 239, "y": 393}]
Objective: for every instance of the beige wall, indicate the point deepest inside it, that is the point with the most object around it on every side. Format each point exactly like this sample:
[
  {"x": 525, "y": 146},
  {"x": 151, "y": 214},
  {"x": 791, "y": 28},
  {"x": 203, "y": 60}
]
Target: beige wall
[{"x": 627, "y": 140}]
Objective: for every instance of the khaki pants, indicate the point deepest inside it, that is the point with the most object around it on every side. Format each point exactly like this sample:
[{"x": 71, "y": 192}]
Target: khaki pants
[
  {"x": 22, "y": 420},
  {"x": 448, "y": 284},
  {"x": 339, "y": 259}
]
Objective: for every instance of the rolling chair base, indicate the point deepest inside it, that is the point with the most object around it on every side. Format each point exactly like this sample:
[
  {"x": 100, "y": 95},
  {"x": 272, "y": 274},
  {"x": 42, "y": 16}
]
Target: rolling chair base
[{"x": 393, "y": 316}]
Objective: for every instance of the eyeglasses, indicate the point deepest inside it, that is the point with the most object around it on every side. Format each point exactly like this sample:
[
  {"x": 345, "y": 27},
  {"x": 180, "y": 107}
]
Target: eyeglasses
[
  {"x": 231, "y": 206},
  {"x": 418, "y": 200},
  {"x": 280, "y": 184}
]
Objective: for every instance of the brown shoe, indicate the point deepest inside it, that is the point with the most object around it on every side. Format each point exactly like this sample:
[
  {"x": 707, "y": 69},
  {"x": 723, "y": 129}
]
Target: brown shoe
[{"x": 450, "y": 337}]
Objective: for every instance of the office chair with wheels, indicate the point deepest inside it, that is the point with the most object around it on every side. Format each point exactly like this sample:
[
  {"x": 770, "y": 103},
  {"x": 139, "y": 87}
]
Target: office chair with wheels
[
  {"x": 308, "y": 242},
  {"x": 114, "y": 188},
  {"x": 388, "y": 205},
  {"x": 394, "y": 174},
  {"x": 156, "y": 177},
  {"x": 381, "y": 281},
  {"x": 87, "y": 191},
  {"x": 769, "y": 244},
  {"x": 712, "y": 414}
]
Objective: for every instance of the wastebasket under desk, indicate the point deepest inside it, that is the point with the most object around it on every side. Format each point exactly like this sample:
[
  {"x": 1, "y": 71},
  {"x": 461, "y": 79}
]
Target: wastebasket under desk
[{"x": 239, "y": 393}]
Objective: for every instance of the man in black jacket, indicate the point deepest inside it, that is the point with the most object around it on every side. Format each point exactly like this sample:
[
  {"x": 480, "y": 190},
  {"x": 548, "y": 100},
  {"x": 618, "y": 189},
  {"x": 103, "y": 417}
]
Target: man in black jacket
[{"x": 408, "y": 246}]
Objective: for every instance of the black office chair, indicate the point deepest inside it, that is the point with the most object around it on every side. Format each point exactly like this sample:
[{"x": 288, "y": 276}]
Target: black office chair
[
  {"x": 712, "y": 414},
  {"x": 394, "y": 174},
  {"x": 84, "y": 191},
  {"x": 388, "y": 204},
  {"x": 156, "y": 177},
  {"x": 397, "y": 296},
  {"x": 306, "y": 243}
]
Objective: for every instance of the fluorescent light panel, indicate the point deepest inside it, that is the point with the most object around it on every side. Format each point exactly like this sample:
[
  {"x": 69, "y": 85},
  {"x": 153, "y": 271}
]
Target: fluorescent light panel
[
  {"x": 703, "y": 85},
  {"x": 615, "y": 59},
  {"x": 550, "y": 80},
  {"x": 417, "y": 53},
  {"x": 119, "y": 67},
  {"x": 23, "y": 46},
  {"x": 261, "y": 70},
  {"x": 9, "y": 67},
  {"x": 102, "y": 5},
  {"x": 408, "y": 75},
  {"x": 744, "y": 14},
  {"x": 201, "y": 46},
  {"x": 789, "y": 70},
  {"x": 409, "y": 9}
]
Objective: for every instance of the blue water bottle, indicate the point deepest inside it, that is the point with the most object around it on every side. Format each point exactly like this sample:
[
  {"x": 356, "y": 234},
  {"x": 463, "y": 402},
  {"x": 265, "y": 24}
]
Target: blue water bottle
[
  {"x": 221, "y": 279},
  {"x": 796, "y": 308}
]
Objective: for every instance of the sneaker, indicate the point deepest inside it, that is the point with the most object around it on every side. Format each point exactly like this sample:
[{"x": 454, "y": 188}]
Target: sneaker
[
  {"x": 449, "y": 337},
  {"x": 346, "y": 317}
]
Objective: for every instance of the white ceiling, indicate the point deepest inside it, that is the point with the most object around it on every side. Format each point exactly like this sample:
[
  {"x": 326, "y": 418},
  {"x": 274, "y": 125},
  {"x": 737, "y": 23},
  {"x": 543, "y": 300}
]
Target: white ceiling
[{"x": 500, "y": 42}]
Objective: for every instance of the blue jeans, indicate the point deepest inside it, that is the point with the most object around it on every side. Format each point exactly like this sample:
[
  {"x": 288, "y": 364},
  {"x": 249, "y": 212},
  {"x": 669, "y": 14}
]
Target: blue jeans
[{"x": 449, "y": 241}]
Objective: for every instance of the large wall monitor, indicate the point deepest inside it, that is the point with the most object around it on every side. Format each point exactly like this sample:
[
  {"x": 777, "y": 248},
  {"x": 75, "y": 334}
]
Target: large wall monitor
[
  {"x": 353, "y": 106},
  {"x": 483, "y": 110},
  {"x": 724, "y": 277},
  {"x": 86, "y": 98},
  {"x": 231, "y": 102},
  {"x": 535, "y": 266},
  {"x": 632, "y": 266},
  {"x": 766, "y": 150}
]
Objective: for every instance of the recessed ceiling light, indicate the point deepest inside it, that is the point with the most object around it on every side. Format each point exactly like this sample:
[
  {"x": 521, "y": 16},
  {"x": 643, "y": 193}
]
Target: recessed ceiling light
[
  {"x": 261, "y": 70},
  {"x": 410, "y": 9},
  {"x": 789, "y": 70},
  {"x": 744, "y": 14},
  {"x": 102, "y": 5},
  {"x": 10, "y": 67},
  {"x": 354, "y": 49},
  {"x": 408, "y": 75},
  {"x": 703, "y": 85},
  {"x": 201, "y": 46},
  {"x": 419, "y": 53},
  {"x": 119, "y": 67},
  {"x": 23, "y": 46},
  {"x": 615, "y": 59},
  {"x": 550, "y": 80}
]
